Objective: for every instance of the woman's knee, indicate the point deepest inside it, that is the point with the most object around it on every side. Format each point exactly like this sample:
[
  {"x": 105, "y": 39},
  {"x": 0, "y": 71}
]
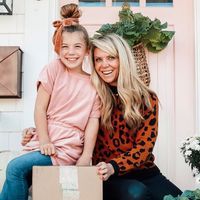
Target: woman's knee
[{"x": 137, "y": 191}]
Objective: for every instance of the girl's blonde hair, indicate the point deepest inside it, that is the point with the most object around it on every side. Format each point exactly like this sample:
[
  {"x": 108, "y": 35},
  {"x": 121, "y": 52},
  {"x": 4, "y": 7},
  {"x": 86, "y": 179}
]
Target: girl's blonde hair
[{"x": 134, "y": 95}]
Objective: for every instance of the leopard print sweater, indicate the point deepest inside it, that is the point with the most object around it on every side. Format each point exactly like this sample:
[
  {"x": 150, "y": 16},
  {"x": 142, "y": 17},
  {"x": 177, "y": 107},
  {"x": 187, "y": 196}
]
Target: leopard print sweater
[{"x": 127, "y": 148}]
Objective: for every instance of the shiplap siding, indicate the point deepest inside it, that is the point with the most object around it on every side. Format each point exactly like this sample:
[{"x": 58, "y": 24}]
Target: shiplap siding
[{"x": 30, "y": 27}]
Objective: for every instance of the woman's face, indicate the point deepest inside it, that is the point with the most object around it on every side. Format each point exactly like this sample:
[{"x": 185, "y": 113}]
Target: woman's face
[{"x": 106, "y": 66}]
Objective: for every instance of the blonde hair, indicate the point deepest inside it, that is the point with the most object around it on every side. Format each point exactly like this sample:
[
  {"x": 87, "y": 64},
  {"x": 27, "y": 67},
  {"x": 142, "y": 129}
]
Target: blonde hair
[{"x": 134, "y": 95}]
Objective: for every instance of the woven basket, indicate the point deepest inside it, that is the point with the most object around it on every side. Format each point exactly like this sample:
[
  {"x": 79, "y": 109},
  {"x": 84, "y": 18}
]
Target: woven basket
[{"x": 141, "y": 63}]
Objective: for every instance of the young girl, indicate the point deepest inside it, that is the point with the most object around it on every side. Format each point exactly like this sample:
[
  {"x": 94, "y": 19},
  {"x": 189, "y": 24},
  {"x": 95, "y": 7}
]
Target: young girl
[{"x": 66, "y": 110}]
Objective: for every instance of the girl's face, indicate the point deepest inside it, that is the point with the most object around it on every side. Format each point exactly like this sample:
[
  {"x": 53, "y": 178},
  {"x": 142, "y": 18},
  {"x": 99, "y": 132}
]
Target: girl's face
[
  {"x": 73, "y": 50},
  {"x": 106, "y": 66}
]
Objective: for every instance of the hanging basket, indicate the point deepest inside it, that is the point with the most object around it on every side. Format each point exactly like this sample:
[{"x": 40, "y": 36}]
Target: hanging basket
[{"x": 141, "y": 63}]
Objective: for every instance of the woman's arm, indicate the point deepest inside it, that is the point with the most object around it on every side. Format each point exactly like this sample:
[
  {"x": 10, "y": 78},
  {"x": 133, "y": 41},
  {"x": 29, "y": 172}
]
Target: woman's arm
[
  {"x": 89, "y": 141},
  {"x": 40, "y": 116},
  {"x": 27, "y": 134}
]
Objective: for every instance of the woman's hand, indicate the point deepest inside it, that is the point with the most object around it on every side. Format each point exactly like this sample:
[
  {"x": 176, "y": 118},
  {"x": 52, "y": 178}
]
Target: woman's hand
[
  {"x": 105, "y": 170},
  {"x": 27, "y": 134}
]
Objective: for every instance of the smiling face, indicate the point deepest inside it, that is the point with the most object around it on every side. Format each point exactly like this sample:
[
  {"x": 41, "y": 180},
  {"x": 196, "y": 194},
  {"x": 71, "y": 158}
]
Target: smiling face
[
  {"x": 106, "y": 66},
  {"x": 73, "y": 50}
]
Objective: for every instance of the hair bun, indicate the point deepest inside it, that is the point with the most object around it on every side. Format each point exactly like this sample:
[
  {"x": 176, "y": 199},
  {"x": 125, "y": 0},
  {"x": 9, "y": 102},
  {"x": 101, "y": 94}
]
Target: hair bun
[{"x": 70, "y": 11}]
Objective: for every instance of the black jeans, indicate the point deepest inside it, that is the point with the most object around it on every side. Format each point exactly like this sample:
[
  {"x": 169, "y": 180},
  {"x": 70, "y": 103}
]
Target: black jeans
[{"x": 147, "y": 184}]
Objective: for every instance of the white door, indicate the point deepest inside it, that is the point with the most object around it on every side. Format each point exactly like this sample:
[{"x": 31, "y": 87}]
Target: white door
[{"x": 172, "y": 74}]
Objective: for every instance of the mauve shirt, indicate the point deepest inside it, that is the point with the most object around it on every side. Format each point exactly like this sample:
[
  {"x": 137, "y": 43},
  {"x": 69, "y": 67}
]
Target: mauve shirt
[{"x": 73, "y": 101}]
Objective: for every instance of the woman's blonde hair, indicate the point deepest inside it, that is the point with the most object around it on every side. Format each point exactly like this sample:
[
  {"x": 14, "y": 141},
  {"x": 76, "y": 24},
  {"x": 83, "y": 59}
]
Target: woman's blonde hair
[{"x": 134, "y": 95}]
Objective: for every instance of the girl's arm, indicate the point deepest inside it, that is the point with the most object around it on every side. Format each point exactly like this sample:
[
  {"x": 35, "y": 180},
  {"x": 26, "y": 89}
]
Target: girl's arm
[
  {"x": 89, "y": 141},
  {"x": 40, "y": 115}
]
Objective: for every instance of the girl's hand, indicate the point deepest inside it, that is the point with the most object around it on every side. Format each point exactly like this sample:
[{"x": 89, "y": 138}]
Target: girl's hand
[
  {"x": 27, "y": 134},
  {"x": 84, "y": 161},
  {"x": 48, "y": 149},
  {"x": 104, "y": 170}
]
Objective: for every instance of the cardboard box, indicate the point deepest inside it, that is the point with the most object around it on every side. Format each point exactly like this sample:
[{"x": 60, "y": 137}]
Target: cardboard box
[{"x": 66, "y": 183}]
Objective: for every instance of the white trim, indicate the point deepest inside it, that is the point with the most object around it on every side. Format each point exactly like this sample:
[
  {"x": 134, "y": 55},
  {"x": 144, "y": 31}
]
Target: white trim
[
  {"x": 54, "y": 9},
  {"x": 53, "y": 15},
  {"x": 36, "y": 47},
  {"x": 197, "y": 62},
  {"x": 197, "y": 65}
]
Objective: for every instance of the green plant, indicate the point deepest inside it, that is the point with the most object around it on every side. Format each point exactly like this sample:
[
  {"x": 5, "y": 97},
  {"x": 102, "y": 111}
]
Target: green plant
[
  {"x": 136, "y": 28},
  {"x": 186, "y": 195},
  {"x": 190, "y": 148}
]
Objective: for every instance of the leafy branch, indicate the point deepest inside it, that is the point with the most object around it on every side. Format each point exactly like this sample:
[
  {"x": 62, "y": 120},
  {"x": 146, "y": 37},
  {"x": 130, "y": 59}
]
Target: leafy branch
[{"x": 136, "y": 28}]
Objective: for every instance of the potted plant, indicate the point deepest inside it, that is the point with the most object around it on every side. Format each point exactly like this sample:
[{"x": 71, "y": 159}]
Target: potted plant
[
  {"x": 186, "y": 195},
  {"x": 190, "y": 149},
  {"x": 139, "y": 31}
]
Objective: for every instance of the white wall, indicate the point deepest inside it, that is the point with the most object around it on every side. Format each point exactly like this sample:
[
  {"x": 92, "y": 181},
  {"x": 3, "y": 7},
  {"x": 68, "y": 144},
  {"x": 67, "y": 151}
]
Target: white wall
[
  {"x": 30, "y": 28},
  {"x": 11, "y": 33}
]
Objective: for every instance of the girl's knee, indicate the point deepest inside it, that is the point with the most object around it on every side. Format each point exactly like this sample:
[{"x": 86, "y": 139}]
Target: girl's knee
[
  {"x": 10, "y": 167},
  {"x": 13, "y": 168}
]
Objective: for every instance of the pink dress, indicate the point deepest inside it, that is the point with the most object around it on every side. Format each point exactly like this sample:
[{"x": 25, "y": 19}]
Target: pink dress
[{"x": 73, "y": 101}]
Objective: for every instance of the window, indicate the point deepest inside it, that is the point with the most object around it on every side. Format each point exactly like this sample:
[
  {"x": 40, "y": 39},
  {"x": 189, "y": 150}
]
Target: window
[
  {"x": 159, "y": 3},
  {"x": 90, "y": 3},
  {"x": 149, "y": 3},
  {"x": 120, "y": 2}
]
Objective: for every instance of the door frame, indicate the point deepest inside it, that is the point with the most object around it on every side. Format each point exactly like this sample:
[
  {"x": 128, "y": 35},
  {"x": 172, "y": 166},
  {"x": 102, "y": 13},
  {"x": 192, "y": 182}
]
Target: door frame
[
  {"x": 197, "y": 62},
  {"x": 192, "y": 101}
]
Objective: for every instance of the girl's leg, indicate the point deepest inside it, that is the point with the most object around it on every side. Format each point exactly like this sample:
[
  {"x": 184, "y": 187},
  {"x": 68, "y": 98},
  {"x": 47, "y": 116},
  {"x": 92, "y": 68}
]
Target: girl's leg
[
  {"x": 159, "y": 186},
  {"x": 125, "y": 189},
  {"x": 19, "y": 173}
]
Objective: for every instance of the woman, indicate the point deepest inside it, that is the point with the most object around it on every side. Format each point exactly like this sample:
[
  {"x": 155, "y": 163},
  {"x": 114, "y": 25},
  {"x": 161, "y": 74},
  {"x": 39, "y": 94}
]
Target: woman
[{"x": 128, "y": 126}]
